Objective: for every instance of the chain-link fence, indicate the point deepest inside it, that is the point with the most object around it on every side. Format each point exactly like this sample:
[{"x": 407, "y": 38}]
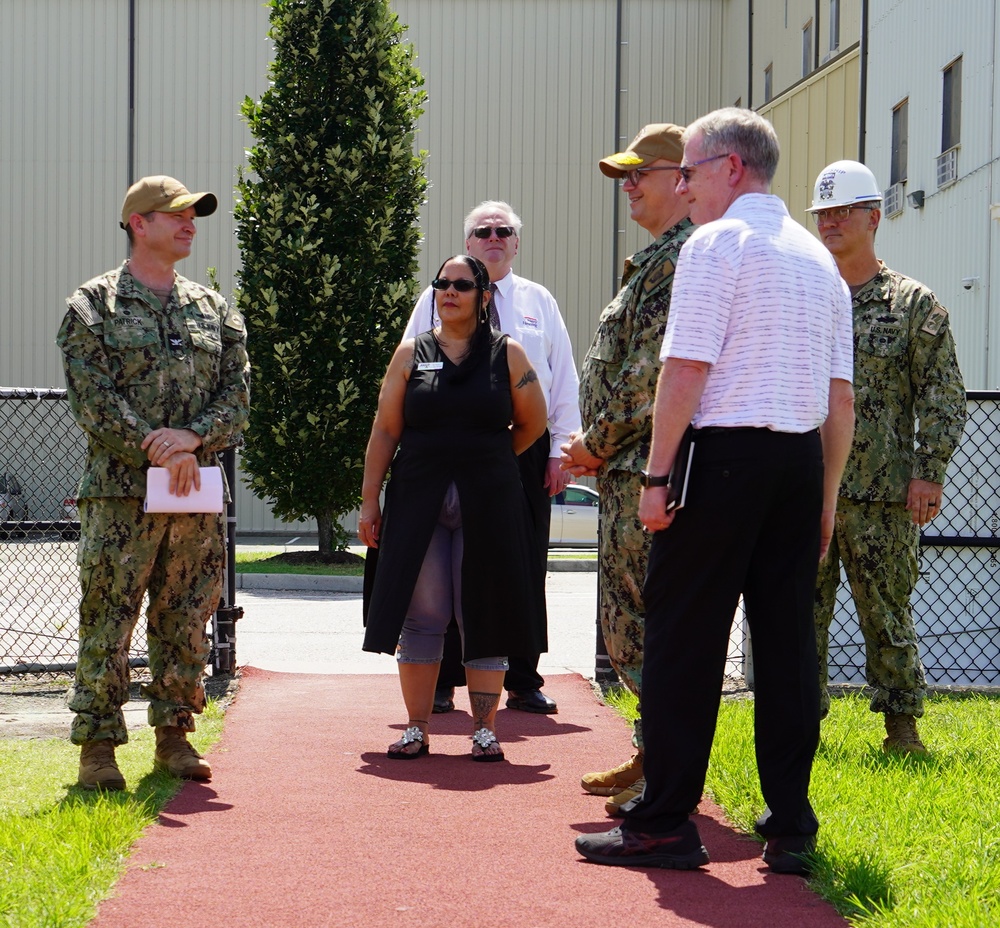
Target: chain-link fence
[
  {"x": 956, "y": 604},
  {"x": 41, "y": 459}
]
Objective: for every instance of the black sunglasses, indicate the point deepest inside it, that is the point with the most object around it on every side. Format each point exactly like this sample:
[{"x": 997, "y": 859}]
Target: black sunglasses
[
  {"x": 486, "y": 231},
  {"x": 461, "y": 284}
]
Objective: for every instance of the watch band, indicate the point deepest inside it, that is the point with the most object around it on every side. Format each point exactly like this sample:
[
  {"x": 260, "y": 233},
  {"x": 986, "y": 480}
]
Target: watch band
[{"x": 648, "y": 480}]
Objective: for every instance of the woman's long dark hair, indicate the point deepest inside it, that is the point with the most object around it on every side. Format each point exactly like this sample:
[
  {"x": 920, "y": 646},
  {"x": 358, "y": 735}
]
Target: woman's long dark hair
[{"x": 479, "y": 343}]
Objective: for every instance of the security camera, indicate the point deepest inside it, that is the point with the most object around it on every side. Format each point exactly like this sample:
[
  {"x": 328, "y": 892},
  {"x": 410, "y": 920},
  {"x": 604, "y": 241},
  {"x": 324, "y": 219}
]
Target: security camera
[{"x": 969, "y": 282}]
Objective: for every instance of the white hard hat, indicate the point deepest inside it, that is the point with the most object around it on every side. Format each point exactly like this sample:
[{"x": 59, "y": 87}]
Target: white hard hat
[{"x": 844, "y": 183}]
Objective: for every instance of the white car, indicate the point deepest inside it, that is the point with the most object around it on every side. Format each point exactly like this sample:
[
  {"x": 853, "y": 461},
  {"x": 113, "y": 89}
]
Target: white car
[{"x": 574, "y": 517}]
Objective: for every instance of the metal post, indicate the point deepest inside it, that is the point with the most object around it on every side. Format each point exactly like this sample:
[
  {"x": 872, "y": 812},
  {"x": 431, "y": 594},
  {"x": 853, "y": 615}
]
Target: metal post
[
  {"x": 226, "y": 616},
  {"x": 604, "y": 673}
]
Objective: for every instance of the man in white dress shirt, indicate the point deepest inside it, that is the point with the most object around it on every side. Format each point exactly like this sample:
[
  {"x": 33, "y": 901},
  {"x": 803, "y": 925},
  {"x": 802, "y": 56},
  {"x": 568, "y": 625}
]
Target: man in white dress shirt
[{"x": 529, "y": 314}]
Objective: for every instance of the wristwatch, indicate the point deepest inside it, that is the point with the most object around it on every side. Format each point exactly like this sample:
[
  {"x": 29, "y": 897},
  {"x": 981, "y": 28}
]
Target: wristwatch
[{"x": 648, "y": 480}]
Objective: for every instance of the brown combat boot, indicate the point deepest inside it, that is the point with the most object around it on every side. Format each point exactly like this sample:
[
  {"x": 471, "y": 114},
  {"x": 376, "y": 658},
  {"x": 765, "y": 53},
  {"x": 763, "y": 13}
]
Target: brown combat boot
[
  {"x": 902, "y": 734},
  {"x": 173, "y": 753},
  {"x": 612, "y": 782},
  {"x": 98, "y": 769}
]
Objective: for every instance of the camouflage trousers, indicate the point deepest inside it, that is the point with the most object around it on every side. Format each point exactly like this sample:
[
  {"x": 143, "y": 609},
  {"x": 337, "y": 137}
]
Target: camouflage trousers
[
  {"x": 877, "y": 543},
  {"x": 124, "y": 553},
  {"x": 622, "y": 558}
]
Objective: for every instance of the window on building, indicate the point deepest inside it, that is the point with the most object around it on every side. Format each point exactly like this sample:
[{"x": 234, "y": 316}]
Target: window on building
[
  {"x": 951, "y": 112},
  {"x": 900, "y": 141},
  {"x": 807, "y": 48},
  {"x": 768, "y": 85},
  {"x": 834, "y": 25}
]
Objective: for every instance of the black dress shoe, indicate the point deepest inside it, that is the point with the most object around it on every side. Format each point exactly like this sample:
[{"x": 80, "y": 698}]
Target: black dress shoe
[
  {"x": 444, "y": 700},
  {"x": 532, "y": 701}
]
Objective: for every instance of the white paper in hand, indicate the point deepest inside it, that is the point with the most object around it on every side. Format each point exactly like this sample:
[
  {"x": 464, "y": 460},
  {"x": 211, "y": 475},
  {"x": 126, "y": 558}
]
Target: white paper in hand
[{"x": 207, "y": 499}]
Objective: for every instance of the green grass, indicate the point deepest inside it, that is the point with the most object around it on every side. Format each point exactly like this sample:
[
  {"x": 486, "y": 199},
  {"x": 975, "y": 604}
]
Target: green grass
[
  {"x": 257, "y": 562},
  {"x": 63, "y": 848},
  {"x": 904, "y": 842}
]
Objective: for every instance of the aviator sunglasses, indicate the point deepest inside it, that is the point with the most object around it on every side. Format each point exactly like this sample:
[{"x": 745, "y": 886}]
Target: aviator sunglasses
[
  {"x": 485, "y": 231},
  {"x": 461, "y": 284}
]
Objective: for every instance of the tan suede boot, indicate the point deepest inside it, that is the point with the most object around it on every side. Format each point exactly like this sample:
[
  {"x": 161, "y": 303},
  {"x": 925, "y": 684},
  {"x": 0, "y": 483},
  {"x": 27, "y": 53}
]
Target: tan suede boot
[
  {"x": 902, "y": 734},
  {"x": 173, "y": 753},
  {"x": 612, "y": 782},
  {"x": 98, "y": 769}
]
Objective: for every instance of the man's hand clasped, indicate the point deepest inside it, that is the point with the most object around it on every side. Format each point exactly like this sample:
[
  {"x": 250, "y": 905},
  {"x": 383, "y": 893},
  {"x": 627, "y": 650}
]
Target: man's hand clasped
[
  {"x": 174, "y": 449},
  {"x": 577, "y": 460}
]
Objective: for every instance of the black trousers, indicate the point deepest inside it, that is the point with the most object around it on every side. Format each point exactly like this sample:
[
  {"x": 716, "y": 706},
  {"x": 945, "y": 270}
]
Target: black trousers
[
  {"x": 522, "y": 673},
  {"x": 750, "y": 526}
]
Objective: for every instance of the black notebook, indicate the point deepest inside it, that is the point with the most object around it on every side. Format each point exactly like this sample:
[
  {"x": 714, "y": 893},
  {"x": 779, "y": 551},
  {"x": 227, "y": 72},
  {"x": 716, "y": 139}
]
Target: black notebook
[{"x": 680, "y": 473}]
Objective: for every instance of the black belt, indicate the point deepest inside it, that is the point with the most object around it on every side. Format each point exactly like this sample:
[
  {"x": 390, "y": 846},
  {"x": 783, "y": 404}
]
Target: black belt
[{"x": 727, "y": 430}]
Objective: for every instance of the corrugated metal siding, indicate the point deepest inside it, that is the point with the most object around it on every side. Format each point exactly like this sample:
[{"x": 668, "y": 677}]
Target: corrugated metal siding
[
  {"x": 520, "y": 98},
  {"x": 672, "y": 72},
  {"x": 816, "y": 122},
  {"x": 952, "y": 237},
  {"x": 62, "y": 149}
]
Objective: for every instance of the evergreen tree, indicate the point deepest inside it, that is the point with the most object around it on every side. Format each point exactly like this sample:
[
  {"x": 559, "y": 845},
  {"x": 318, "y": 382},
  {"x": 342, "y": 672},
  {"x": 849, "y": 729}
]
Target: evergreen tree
[{"x": 327, "y": 227}]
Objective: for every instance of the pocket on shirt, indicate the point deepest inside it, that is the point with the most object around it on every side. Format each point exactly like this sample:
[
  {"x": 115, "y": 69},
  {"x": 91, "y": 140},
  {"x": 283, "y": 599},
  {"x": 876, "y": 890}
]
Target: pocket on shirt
[{"x": 608, "y": 343}]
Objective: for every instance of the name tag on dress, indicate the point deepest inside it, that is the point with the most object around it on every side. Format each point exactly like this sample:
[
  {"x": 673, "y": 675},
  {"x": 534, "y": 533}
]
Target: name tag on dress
[{"x": 430, "y": 365}]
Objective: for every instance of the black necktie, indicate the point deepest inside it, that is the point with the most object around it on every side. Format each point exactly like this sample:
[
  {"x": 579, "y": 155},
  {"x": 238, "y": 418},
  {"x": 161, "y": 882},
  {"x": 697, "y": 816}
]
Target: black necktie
[{"x": 494, "y": 315}]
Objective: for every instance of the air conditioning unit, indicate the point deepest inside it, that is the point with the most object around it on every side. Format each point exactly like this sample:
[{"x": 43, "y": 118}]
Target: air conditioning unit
[
  {"x": 947, "y": 168},
  {"x": 892, "y": 200}
]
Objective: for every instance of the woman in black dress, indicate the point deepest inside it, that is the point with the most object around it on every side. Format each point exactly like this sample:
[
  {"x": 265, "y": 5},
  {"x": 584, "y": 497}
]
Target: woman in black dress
[{"x": 456, "y": 406}]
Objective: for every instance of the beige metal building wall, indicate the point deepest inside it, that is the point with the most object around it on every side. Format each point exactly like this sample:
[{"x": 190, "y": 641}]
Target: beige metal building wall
[
  {"x": 63, "y": 127},
  {"x": 672, "y": 71},
  {"x": 520, "y": 105},
  {"x": 816, "y": 122},
  {"x": 953, "y": 237}
]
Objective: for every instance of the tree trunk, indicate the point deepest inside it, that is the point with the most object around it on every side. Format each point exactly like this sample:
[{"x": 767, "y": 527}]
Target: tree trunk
[{"x": 324, "y": 522}]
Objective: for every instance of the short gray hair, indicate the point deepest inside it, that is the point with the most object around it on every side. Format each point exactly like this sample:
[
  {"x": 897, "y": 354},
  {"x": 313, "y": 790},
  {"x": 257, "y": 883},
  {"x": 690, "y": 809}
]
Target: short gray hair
[
  {"x": 742, "y": 132},
  {"x": 488, "y": 207}
]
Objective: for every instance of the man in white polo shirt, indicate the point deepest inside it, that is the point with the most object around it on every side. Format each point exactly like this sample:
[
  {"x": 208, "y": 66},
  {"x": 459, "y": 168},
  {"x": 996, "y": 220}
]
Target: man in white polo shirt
[
  {"x": 529, "y": 314},
  {"x": 757, "y": 354}
]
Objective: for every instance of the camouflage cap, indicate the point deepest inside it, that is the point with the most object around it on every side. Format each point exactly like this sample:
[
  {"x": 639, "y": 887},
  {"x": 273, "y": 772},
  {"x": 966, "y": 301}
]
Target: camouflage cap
[
  {"x": 655, "y": 141},
  {"x": 162, "y": 194}
]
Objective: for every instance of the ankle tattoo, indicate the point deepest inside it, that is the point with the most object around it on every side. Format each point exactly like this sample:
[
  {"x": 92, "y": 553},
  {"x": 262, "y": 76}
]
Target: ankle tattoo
[{"x": 483, "y": 705}]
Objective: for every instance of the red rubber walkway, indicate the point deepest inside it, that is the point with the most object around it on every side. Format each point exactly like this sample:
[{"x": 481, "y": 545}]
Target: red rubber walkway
[{"x": 306, "y": 823}]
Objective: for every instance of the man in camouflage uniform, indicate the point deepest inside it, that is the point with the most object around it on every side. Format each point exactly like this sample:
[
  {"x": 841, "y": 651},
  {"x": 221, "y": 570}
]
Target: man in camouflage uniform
[
  {"x": 157, "y": 374},
  {"x": 905, "y": 372},
  {"x": 616, "y": 399}
]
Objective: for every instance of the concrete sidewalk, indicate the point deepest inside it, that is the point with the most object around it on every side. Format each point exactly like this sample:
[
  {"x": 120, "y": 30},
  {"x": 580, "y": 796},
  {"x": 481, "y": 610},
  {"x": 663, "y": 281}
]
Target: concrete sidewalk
[{"x": 320, "y": 630}]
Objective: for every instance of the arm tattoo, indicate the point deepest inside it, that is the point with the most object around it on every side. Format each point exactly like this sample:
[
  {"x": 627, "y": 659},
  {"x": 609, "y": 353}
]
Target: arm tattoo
[
  {"x": 482, "y": 705},
  {"x": 529, "y": 377}
]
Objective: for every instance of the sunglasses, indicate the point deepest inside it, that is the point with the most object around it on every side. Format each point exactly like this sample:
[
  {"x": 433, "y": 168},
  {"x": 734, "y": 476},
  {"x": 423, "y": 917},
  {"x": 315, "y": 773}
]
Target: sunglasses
[
  {"x": 461, "y": 284},
  {"x": 486, "y": 231},
  {"x": 687, "y": 170},
  {"x": 635, "y": 175}
]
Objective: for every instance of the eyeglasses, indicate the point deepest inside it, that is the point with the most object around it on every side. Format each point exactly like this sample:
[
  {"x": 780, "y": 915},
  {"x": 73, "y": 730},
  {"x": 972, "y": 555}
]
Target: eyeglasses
[
  {"x": 635, "y": 175},
  {"x": 486, "y": 231},
  {"x": 686, "y": 169},
  {"x": 837, "y": 213},
  {"x": 461, "y": 284}
]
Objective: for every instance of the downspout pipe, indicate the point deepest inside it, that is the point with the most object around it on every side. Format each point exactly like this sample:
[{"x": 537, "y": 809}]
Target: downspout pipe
[
  {"x": 863, "y": 82},
  {"x": 750, "y": 54},
  {"x": 615, "y": 191},
  {"x": 130, "y": 144}
]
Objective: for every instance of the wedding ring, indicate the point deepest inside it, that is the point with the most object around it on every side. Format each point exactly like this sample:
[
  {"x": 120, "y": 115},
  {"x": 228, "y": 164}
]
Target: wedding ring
[{"x": 166, "y": 444}]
